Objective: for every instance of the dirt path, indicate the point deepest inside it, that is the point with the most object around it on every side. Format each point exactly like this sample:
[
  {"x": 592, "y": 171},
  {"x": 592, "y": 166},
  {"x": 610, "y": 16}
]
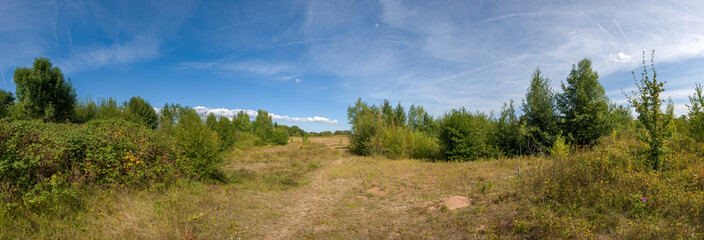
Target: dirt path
[{"x": 302, "y": 204}]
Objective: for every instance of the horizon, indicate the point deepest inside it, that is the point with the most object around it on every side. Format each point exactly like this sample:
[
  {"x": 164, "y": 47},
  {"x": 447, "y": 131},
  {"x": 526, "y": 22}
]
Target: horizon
[{"x": 305, "y": 61}]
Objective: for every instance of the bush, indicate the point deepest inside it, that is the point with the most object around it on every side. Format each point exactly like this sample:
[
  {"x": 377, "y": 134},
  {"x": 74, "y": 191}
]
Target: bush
[
  {"x": 614, "y": 180},
  {"x": 41, "y": 164},
  {"x": 465, "y": 136},
  {"x": 280, "y": 136},
  {"x": 198, "y": 145}
]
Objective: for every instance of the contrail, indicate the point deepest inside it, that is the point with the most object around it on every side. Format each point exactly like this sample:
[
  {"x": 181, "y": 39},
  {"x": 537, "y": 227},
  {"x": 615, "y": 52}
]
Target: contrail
[
  {"x": 3, "y": 77},
  {"x": 619, "y": 28}
]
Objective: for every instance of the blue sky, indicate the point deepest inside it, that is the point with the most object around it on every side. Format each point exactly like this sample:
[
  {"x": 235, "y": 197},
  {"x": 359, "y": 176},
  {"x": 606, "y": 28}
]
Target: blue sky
[{"x": 306, "y": 61}]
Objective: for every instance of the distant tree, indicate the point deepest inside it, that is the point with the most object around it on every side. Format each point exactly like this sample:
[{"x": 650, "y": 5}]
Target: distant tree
[
  {"x": 651, "y": 119},
  {"x": 695, "y": 116},
  {"x": 44, "y": 92},
  {"x": 109, "y": 109},
  {"x": 296, "y": 131},
  {"x": 168, "y": 117},
  {"x": 540, "y": 114},
  {"x": 226, "y": 133},
  {"x": 141, "y": 112},
  {"x": 6, "y": 100},
  {"x": 387, "y": 112},
  {"x": 242, "y": 122},
  {"x": 420, "y": 120},
  {"x": 280, "y": 136},
  {"x": 620, "y": 117},
  {"x": 584, "y": 105},
  {"x": 263, "y": 126},
  {"x": 211, "y": 121},
  {"x": 508, "y": 133},
  {"x": 86, "y": 110},
  {"x": 399, "y": 119}
]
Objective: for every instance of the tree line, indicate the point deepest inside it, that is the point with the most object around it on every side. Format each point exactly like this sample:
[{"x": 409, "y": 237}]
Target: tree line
[{"x": 552, "y": 121}]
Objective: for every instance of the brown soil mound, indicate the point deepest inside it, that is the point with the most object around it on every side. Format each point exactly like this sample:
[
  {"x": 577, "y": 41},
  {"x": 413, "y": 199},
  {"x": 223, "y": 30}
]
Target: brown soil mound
[{"x": 449, "y": 202}]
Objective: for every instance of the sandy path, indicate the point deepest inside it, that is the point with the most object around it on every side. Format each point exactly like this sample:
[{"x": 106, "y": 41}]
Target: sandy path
[{"x": 316, "y": 198}]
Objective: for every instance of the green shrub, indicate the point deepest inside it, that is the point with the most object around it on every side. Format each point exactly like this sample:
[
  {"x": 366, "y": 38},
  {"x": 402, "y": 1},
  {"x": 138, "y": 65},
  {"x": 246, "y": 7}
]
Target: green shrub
[
  {"x": 280, "y": 136},
  {"x": 43, "y": 163},
  {"x": 198, "y": 145},
  {"x": 465, "y": 136}
]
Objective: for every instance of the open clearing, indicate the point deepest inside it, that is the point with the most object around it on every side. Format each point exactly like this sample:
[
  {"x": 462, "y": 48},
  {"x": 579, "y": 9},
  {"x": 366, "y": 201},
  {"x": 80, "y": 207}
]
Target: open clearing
[{"x": 314, "y": 190}]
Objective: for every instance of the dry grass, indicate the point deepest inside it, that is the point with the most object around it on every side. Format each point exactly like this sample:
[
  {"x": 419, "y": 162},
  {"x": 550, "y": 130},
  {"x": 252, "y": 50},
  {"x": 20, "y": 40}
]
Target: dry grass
[{"x": 312, "y": 190}]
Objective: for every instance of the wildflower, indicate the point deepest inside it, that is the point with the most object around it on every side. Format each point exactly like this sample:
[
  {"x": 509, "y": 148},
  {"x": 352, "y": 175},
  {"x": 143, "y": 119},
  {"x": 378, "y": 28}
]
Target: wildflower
[
  {"x": 212, "y": 186},
  {"x": 643, "y": 199}
]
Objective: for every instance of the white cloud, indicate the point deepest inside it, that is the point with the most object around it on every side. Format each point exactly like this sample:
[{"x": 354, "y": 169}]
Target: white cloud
[
  {"x": 230, "y": 113},
  {"x": 620, "y": 57},
  {"x": 298, "y": 80}
]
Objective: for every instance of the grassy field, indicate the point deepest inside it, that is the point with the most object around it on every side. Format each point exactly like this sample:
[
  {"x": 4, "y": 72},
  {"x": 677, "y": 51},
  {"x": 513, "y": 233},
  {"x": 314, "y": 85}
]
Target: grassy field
[
  {"x": 318, "y": 190},
  {"x": 313, "y": 190}
]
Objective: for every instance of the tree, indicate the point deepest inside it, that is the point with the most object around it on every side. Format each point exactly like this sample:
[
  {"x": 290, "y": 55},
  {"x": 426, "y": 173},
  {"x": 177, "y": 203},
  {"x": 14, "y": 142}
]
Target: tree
[
  {"x": 44, "y": 92},
  {"x": 540, "y": 114},
  {"x": 508, "y": 132},
  {"x": 226, "y": 133},
  {"x": 584, "y": 105},
  {"x": 695, "y": 116},
  {"x": 86, "y": 110},
  {"x": 211, "y": 121},
  {"x": 141, "y": 112},
  {"x": 242, "y": 122},
  {"x": 399, "y": 116},
  {"x": 109, "y": 109},
  {"x": 387, "y": 112},
  {"x": 280, "y": 136},
  {"x": 263, "y": 126},
  {"x": 6, "y": 100},
  {"x": 654, "y": 123}
]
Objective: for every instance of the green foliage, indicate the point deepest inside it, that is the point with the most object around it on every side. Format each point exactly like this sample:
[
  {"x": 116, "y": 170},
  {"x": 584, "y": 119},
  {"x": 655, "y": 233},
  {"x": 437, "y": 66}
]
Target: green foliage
[
  {"x": 620, "y": 117},
  {"x": 280, "y": 136},
  {"x": 43, "y": 164},
  {"x": 420, "y": 120},
  {"x": 695, "y": 116},
  {"x": 44, "y": 92},
  {"x": 168, "y": 117},
  {"x": 651, "y": 119},
  {"x": 559, "y": 148},
  {"x": 399, "y": 116},
  {"x": 366, "y": 123},
  {"x": 109, "y": 108},
  {"x": 263, "y": 126},
  {"x": 509, "y": 131},
  {"x": 198, "y": 144},
  {"x": 139, "y": 111},
  {"x": 226, "y": 133},
  {"x": 211, "y": 121},
  {"x": 613, "y": 183},
  {"x": 540, "y": 114},
  {"x": 372, "y": 136},
  {"x": 86, "y": 110},
  {"x": 584, "y": 105},
  {"x": 465, "y": 136},
  {"x": 242, "y": 122},
  {"x": 6, "y": 101}
]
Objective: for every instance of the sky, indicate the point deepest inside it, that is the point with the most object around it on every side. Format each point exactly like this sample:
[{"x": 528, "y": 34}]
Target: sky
[{"x": 306, "y": 61}]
